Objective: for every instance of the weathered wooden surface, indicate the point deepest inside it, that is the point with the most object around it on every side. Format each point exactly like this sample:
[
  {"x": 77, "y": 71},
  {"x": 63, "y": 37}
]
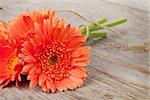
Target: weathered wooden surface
[{"x": 119, "y": 65}]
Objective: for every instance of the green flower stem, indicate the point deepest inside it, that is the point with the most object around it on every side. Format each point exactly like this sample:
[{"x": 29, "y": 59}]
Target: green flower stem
[
  {"x": 92, "y": 26},
  {"x": 97, "y": 34},
  {"x": 118, "y": 22}
]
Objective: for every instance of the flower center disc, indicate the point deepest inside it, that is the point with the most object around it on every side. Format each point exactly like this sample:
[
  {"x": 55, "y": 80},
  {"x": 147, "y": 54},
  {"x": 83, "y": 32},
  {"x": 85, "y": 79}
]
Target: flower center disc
[
  {"x": 12, "y": 64},
  {"x": 52, "y": 60}
]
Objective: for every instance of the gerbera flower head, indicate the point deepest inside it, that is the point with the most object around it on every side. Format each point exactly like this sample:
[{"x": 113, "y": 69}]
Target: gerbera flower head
[
  {"x": 10, "y": 66},
  {"x": 9, "y": 61},
  {"x": 55, "y": 57},
  {"x": 12, "y": 37}
]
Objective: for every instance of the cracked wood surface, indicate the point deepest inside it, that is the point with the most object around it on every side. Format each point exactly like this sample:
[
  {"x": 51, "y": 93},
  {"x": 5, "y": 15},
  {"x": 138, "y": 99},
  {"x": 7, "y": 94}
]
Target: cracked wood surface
[{"x": 119, "y": 65}]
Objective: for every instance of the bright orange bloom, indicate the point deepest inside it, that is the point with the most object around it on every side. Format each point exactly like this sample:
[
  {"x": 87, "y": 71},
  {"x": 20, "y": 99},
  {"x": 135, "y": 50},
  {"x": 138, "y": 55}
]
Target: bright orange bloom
[
  {"x": 54, "y": 58},
  {"x": 9, "y": 62},
  {"x": 12, "y": 37}
]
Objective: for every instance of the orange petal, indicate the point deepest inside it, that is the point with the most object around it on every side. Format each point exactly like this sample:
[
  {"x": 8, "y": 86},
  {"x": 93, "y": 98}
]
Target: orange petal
[
  {"x": 57, "y": 32},
  {"x": 79, "y": 82},
  {"x": 5, "y": 54},
  {"x": 13, "y": 77},
  {"x": 80, "y": 63},
  {"x": 81, "y": 58},
  {"x": 83, "y": 72},
  {"x": 49, "y": 26},
  {"x": 27, "y": 67},
  {"x": 80, "y": 51},
  {"x": 44, "y": 88},
  {"x": 33, "y": 83},
  {"x": 45, "y": 28},
  {"x": 19, "y": 77},
  {"x": 2, "y": 25},
  {"x": 69, "y": 83},
  {"x": 33, "y": 70},
  {"x": 83, "y": 69},
  {"x": 59, "y": 86},
  {"x": 63, "y": 36},
  {"x": 38, "y": 30},
  {"x": 51, "y": 85},
  {"x": 76, "y": 73},
  {"x": 75, "y": 32},
  {"x": 84, "y": 57},
  {"x": 38, "y": 71},
  {"x": 3, "y": 79},
  {"x": 18, "y": 26},
  {"x": 61, "y": 23},
  {"x": 29, "y": 22},
  {"x": 42, "y": 79},
  {"x": 2, "y": 30},
  {"x": 8, "y": 81},
  {"x": 76, "y": 42},
  {"x": 31, "y": 76},
  {"x": 24, "y": 51},
  {"x": 27, "y": 45},
  {"x": 29, "y": 59},
  {"x": 3, "y": 73}
]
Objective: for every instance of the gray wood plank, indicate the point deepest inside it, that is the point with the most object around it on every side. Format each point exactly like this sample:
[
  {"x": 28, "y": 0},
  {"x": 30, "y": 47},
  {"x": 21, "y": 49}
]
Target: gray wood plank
[{"x": 119, "y": 68}]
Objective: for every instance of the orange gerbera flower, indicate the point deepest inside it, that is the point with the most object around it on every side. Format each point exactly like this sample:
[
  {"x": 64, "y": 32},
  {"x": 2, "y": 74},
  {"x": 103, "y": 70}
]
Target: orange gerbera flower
[
  {"x": 54, "y": 58},
  {"x": 9, "y": 62},
  {"x": 11, "y": 39}
]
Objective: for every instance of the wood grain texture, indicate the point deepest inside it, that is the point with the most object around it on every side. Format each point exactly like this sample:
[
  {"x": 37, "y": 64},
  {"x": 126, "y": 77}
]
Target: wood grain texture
[{"x": 119, "y": 68}]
